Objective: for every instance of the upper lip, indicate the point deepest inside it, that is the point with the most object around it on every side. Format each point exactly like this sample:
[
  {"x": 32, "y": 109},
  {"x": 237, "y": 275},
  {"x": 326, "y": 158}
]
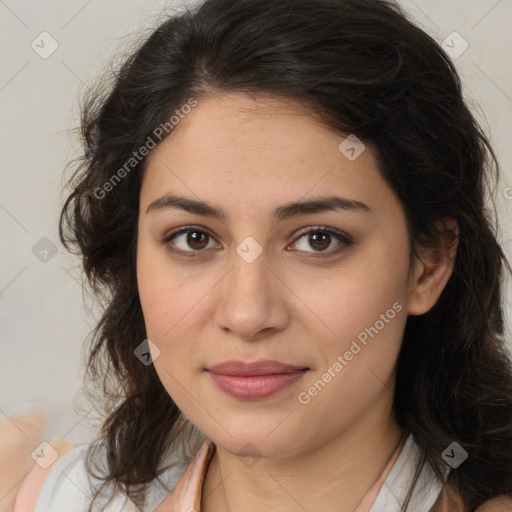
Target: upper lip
[{"x": 241, "y": 368}]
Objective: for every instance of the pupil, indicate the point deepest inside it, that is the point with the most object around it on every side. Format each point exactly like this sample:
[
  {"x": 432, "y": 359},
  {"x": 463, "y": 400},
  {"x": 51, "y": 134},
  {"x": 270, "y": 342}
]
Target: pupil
[
  {"x": 193, "y": 239},
  {"x": 324, "y": 237}
]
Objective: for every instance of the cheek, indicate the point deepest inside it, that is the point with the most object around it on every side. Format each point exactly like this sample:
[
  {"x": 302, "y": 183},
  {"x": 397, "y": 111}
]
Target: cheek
[
  {"x": 153, "y": 289},
  {"x": 164, "y": 306},
  {"x": 172, "y": 304},
  {"x": 165, "y": 295},
  {"x": 366, "y": 315},
  {"x": 353, "y": 297}
]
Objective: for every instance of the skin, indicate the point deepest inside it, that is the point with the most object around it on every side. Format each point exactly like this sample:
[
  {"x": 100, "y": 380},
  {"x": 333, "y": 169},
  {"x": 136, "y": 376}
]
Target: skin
[
  {"x": 498, "y": 504},
  {"x": 247, "y": 156}
]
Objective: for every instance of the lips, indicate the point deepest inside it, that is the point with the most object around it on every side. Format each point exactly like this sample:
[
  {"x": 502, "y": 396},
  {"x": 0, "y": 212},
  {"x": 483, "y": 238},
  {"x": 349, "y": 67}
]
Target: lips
[
  {"x": 257, "y": 380},
  {"x": 243, "y": 369}
]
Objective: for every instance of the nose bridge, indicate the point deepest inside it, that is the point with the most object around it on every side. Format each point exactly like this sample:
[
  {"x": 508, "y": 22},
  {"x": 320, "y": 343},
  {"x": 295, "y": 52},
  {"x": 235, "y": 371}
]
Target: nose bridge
[
  {"x": 249, "y": 304},
  {"x": 250, "y": 272}
]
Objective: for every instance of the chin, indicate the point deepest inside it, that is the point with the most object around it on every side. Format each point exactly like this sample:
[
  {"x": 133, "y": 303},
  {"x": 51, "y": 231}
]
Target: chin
[{"x": 258, "y": 444}]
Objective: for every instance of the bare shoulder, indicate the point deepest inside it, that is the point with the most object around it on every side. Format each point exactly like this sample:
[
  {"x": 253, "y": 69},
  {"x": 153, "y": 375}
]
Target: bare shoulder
[{"x": 497, "y": 504}]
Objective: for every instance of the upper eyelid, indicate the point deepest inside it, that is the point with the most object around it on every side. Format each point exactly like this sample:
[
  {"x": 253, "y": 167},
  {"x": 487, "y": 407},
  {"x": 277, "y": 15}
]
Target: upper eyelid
[{"x": 302, "y": 231}]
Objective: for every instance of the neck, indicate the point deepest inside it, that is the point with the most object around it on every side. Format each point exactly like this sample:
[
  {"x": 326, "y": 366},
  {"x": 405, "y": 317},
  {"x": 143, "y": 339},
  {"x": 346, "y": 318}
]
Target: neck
[{"x": 344, "y": 468}]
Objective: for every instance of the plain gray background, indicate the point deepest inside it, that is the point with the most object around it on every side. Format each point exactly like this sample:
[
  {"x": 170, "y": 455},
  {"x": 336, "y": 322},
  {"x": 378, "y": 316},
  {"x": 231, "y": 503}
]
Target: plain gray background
[{"x": 43, "y": 320}]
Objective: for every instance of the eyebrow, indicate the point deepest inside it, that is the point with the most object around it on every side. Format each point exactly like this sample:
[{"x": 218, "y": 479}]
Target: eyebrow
[{"x": 294, "y": 209}]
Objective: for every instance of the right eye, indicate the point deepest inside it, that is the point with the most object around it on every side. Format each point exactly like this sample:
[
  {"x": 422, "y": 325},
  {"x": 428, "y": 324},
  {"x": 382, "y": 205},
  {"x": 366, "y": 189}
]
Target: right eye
[{"x": 187, "y": 238}]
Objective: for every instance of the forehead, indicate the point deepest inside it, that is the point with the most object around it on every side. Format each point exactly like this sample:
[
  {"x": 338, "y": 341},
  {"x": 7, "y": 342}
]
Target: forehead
[
  {"x": 236, "y": 123},
  {"x": 257, "y": 151}
]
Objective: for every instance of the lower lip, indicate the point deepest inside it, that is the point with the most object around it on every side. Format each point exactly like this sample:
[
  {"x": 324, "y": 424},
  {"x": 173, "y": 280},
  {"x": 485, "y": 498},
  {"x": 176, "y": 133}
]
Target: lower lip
[{"x": 255, "y": 387}]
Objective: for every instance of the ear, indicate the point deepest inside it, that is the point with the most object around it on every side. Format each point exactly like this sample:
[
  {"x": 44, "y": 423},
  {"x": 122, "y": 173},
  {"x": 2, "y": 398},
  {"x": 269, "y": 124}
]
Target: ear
[{"x": 433, "y": 270}]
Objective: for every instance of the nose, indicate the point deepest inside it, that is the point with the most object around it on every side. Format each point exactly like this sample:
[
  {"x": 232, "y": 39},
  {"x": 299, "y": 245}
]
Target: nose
[{"x": 252, "y": 299}]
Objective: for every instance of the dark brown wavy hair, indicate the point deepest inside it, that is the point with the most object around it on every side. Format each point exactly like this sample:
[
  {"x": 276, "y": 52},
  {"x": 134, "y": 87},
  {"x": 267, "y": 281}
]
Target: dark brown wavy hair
[{"x": 363, "y": 68}]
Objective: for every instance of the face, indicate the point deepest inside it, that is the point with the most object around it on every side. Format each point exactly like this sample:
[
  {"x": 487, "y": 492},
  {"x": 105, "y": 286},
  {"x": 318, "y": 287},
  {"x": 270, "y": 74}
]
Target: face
[{"x": 323, "y": 288}]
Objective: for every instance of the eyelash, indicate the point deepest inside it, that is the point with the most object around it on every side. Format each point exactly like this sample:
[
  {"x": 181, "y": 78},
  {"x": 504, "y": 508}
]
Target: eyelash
[{"x": 341, "y": 237}]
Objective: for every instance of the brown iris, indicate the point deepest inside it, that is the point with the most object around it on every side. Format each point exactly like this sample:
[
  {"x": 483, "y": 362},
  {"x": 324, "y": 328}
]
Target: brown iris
[
  {"x": 197, "y": 239},
  {"x": 314, "y": 239}
]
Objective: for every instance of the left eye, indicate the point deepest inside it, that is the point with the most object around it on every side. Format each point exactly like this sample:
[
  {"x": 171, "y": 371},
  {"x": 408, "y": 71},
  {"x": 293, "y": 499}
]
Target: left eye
[{"x": 321, "y": 238}]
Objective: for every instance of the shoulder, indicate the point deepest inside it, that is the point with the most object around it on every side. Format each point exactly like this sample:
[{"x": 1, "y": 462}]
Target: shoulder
[
  {"x": 64, "y": 485},
  {"x": 497, "y": 504},
  {"x": 45, "y": 457},
  {"x": 67, "y": 485}
]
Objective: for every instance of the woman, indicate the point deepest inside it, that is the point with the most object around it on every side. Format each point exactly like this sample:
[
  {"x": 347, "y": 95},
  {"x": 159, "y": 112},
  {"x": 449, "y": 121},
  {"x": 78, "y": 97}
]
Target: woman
[{"x": 282, "y": 206}]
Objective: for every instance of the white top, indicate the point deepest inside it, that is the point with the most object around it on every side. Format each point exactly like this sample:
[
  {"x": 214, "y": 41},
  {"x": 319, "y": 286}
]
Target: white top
[{"x": 68, "y": 487}]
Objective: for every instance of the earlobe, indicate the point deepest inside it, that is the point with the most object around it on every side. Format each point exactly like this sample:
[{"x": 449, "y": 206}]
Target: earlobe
[{"x": 434, "y": 270}]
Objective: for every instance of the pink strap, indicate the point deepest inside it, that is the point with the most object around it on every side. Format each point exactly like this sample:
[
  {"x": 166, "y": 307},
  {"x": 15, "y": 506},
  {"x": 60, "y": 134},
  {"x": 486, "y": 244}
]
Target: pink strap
[
  {"x": 371, "y": 495},
  {"x": 28, "y": 494},
  {"x": 187, "y": 493}
]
